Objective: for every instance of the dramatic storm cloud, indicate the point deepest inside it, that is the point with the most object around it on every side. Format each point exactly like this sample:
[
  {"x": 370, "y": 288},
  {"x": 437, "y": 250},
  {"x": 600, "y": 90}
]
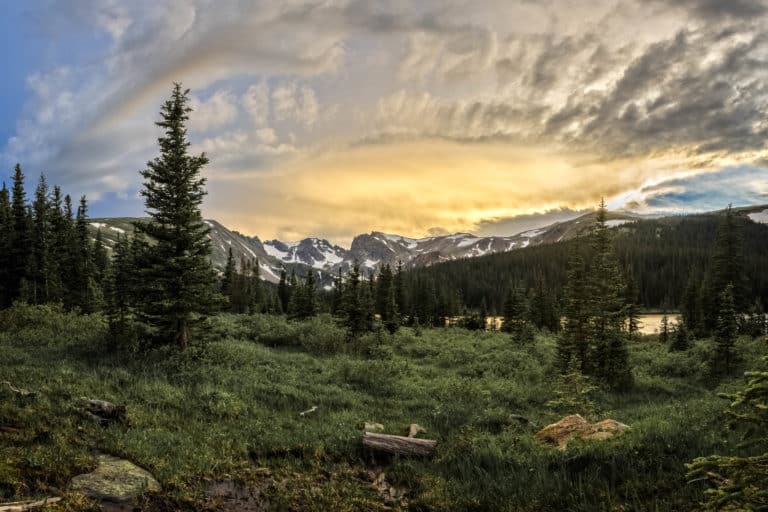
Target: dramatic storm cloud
[{"x": 336, "y": 117}]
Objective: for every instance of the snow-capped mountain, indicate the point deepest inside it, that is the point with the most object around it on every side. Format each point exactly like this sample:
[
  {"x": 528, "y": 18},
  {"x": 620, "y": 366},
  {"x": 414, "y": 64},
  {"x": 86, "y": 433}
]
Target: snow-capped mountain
[
  {"x": 314, "y": 252},
  {"x": 371, "y": 251},
  {"x": 375, "y": 249}
]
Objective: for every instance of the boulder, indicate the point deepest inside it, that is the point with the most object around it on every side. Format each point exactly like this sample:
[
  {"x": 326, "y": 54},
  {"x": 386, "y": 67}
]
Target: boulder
[
  {"x": 560, "y": 433},
  {"x": 114, "y": 480}
]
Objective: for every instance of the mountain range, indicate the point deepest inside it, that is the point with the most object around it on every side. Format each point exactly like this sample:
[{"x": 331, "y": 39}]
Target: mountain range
[{"x": 375, "y": 249}]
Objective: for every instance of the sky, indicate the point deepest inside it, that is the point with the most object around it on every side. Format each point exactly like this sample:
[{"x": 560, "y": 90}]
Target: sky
[{"x": 332, "y": 118}]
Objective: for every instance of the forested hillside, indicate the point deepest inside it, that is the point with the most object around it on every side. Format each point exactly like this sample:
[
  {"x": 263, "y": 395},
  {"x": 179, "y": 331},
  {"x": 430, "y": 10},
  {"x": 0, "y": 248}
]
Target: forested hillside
[{"x": 660, "y": 255}]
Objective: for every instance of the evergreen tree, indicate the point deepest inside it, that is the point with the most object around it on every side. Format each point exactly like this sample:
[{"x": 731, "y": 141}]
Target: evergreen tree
[
  {"x": 690, "y": 305},
  {"x": 100, "y": 258},
  {"x": 179, "y": 278},
  {"x": 610, "y": 358},
  {"x": 680, "y": 338},
  {"x": 573, "y": 342},
  {"x": 664, "y": 330},
  {"x": 119, "y": 292},
  {"x": 61, "y": 232},
  {"x": 358, "y": 304},
  {"x": 294, "y": 295},
  {"x": 6, "y": 233},
  {"x": 383, "y": 285},
  {"x": 484, "y": 315},
  {"x": 632, "y": 308},
  {"x": 542, "y": 311},
  {"x": 308, "y": 307},
  {"x": 39, "y": 267},
  {"x": 337, "y": 294},
  {"x": 727, "y": 268},
  {"x": 70, "y": 253},
  {"x": 755, "y": 325},
  {"x": 513, "y": 311},
  {"x": 227, "y": 279},
  {"x": 725, "y": 334},
  {"x": 283, "y": 292},
  {"x": 594, "y": 341},
  {"x": 399, "y": 285},
  {"x": 740, "y": 481},
  {"x": 20, "y": 247},
  {"x": 391, "y": 315},
  {"x": 84, "y": 292}
]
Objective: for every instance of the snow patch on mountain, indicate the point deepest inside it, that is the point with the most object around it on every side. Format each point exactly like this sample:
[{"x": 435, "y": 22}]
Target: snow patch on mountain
[
  {"x": 466, "y": 242},
  {"x": 760, "y": 217}
]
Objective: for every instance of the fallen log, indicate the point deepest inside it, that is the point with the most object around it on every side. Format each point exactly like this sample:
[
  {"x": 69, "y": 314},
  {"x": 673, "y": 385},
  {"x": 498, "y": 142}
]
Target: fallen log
[
  {"x": 398, "y": 445},
  {"x": 21, "y": 506}
]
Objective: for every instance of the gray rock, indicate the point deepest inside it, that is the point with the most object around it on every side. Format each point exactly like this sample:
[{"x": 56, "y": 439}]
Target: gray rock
[{"x": 115, "y": 480}]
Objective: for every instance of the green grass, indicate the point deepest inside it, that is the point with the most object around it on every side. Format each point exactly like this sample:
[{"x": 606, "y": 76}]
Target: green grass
[{"x": 229, "y": 407}]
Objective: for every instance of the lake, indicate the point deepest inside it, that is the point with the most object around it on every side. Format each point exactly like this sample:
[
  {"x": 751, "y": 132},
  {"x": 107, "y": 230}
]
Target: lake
[{"x": 649, "y": 324}]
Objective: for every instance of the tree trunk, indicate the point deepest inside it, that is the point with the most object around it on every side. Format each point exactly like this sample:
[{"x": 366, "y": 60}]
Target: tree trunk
[
  {"x": 182, "y": 333},
  {"x": 398, "y": 445}
]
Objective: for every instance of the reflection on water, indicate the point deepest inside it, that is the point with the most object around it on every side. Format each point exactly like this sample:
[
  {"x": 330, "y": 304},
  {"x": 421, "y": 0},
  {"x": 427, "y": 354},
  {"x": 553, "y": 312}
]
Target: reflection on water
[{"x": 649, "y": 324}]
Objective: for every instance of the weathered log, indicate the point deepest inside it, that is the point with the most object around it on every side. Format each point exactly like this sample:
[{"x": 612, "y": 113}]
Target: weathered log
[
  {"x": 399, "y": 445},
  {"x": 21, "y": 506}
]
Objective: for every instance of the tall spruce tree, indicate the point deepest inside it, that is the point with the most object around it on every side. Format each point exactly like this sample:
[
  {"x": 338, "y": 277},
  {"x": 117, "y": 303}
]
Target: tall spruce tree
[
  {"x": 283, "y": 293},
  {"x": 60, "y": 234},
  {"x": 85, "y": 293},
  {"x": 179, "y": 278},
  {"x": 100, "y": 258},
  {"x": 573, "y": 341},
  {"x": 227, "y": 279},
  {"x": 724, "y": 357},
  {"x": 512, "y": 310},
  {"x": 6, "y": 233},
  {"x": 391, "y": 315},
  {"x": 399, "y": 284},
  {"x": 39, "y": 268},
  {"x": 664, "y": 330},
  {"x": 632, "y": 308},
  {"x": 594, "y": 340},
  {"x": 606, "y": 287},
  {"x": 680, "y": 338},
  {"x": 20, "y": 247},
  {"x": 727, "y": 268},
  {"x": 119, "y": 293}
]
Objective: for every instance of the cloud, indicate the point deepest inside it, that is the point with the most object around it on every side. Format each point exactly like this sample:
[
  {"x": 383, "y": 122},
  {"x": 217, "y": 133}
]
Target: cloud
[
  {"x": 328, "y": 117},
  {"x": 291, "y": 101},
  {"x": 256, "y": 102},
  {"x": 219, "y": 110},
  {"x": 412, "y": 187},
  {"x": 737, "y": 185},
  {"x": 506, "y": 226}
]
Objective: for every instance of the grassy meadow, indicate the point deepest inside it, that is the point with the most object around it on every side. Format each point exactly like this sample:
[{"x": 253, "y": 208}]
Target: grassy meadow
[{"x": 228, "y": 409}]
